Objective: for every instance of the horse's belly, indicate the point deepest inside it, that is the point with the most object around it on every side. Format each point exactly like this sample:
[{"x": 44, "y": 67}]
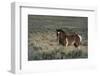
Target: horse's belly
[{"x": 71, "y": 42}]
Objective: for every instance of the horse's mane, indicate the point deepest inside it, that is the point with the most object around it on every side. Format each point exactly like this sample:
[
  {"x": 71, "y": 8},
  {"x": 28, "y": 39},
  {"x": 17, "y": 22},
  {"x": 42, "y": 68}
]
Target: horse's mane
[{"x": 60, "y": 30}]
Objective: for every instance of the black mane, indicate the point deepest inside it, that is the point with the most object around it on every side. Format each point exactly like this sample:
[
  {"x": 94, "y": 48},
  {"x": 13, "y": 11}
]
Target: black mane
[{"x": 60, "y": 30}]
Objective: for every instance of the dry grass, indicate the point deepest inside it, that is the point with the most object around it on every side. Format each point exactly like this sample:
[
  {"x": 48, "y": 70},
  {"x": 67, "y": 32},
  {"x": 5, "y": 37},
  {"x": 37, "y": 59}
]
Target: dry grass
[{"x": 43, "y": 45}]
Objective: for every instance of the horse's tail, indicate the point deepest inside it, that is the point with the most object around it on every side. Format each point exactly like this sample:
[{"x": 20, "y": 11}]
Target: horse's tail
[{"x": 80, "y": 37}]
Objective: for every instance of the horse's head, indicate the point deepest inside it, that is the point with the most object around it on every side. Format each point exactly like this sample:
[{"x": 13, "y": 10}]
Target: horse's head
[
  {"x": 61, "y": 36},
  {"x": 59, "y": 31}
]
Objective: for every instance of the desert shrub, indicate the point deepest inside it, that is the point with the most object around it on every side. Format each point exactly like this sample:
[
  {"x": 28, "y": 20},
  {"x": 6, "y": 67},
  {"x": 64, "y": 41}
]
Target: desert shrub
[{"x": 58, "y": 54}]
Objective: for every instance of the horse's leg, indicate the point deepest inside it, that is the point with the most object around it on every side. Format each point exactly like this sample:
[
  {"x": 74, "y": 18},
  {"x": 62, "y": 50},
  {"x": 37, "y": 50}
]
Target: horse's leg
[
  {"x": 77, "y": 45},
  {"x": 59, "y": 41},
  {"x": 78, "y": 48},
  {"x": 66, "y": 42}
]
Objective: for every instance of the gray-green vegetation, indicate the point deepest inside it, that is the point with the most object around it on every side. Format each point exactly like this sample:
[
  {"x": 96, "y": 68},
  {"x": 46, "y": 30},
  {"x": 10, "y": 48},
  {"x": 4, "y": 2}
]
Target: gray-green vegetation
[{"x": 42, "y": 41}]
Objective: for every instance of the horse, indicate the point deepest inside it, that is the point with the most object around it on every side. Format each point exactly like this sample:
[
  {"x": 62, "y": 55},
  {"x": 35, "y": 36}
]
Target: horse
[{"x": 68, "y": 40}]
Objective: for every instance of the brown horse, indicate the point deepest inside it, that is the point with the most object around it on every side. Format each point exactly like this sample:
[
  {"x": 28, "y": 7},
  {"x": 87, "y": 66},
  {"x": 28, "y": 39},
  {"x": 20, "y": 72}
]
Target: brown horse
[{"x": 67, "y": 40}]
